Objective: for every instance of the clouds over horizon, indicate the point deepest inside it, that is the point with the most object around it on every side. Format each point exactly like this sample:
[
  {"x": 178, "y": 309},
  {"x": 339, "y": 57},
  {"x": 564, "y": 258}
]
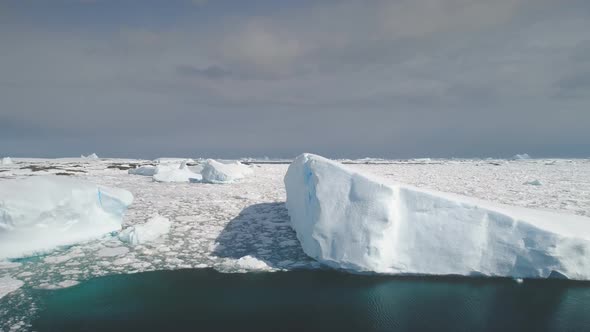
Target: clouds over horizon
[{"x": 350, "y": 78}]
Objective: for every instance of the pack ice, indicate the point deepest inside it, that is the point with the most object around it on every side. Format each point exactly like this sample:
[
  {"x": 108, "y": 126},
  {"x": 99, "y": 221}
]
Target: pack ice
[
  {"x": 352, "y": 221},
  {"x": 40, "y": 213}
]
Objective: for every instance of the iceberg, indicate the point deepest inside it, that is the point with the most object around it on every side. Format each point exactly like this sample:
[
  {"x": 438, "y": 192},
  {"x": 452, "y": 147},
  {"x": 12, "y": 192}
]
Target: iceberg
[
  {"x": 175, "y": 173},
  {"x": 218, "y": 172},
  {"x": 90, "y": 156},
  {"x": 143, "y": 170},
  {"x": 6, "y": 161},
  {"x": 147, "y": 232},
  {"x": 38, "y": 214},
  {"x": 523, "y": 156},
  {"x": 352, "y": 221}
]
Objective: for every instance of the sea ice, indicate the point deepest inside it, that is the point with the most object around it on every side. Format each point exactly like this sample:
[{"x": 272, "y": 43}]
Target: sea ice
[
  {"x": 43, "y": 212},
  {"x": 175, "y": 173},
  {"x": 218, "y": 172},
  {"x": 149, "y": 231},
  {"x": 9, "y": 285},
  {"x": 347, "y": 220}
]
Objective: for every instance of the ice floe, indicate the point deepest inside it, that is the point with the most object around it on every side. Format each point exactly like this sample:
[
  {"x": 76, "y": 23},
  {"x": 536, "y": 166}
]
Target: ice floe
[
  {"x": 9, "y": 285},
  {"x": 151, "y": 230},
  {"x": 41, "y": 213}
]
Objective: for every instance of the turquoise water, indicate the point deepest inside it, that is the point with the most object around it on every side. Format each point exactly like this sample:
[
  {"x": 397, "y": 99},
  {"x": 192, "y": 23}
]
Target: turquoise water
[{"x": 205, "y": 300}]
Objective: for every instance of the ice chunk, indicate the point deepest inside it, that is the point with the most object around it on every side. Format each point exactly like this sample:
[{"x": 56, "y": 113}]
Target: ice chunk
[
  {"x": 6, "y": 161},
  {"x": 40, "y": 213},
  {"x": 217, "y": 172},
  {"x": 523, "y": 156},
  {"x": 143, "y": 170},
  {"x": 351, "y": 221},
  {"x": 176, "y": 173},
  {"x": 9, "y": 285},
  {"x": 247, "y": 264},
  {"x": 149, "y": 231}
]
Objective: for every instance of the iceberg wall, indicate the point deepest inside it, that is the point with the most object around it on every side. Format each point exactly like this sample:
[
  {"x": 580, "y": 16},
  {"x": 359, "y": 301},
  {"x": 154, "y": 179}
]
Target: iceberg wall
[
  {"x": 40, "y": 213},
  {"x": 348, "y": 220}
]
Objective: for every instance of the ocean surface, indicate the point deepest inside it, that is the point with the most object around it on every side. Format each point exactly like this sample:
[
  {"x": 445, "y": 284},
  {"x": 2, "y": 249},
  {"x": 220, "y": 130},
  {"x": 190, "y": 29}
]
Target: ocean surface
[{"x": 320, "y": 300}]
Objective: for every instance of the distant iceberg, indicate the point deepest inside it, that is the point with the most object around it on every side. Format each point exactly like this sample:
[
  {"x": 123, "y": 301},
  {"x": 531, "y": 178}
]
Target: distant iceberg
[
  {"x": 226, "y": 172},
  {"x": 348, "y": 220},
  {"x": 175, "y": 173},
  {"x": 6, "y": 161},
  {"x": 143, "y": 170},
  {"x": 90, "y": 156},
  {"x": 523, "y": 156},
  {"x": 38, "y": 214}
]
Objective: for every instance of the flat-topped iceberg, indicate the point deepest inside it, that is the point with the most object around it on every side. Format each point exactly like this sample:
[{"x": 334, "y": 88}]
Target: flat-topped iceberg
[
  {"x": 348, "y": 220},
  {"x": 218, "y": 172},
  {"x": 38, "y": 214}
]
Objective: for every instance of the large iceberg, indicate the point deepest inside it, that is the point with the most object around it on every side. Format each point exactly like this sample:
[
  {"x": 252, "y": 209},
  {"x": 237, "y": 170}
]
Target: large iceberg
[
  {"x": 40, "y": 213},
  {"x": 218, "y": 172},
  {"x": 348, "y": 220}
]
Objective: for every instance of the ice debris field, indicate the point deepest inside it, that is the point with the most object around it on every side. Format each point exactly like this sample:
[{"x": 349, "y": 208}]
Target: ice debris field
[{"x": 111, "y": 216}]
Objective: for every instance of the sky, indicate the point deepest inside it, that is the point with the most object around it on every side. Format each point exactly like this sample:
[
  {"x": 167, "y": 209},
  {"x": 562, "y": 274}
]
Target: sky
[{"x": 341, "y": 78}]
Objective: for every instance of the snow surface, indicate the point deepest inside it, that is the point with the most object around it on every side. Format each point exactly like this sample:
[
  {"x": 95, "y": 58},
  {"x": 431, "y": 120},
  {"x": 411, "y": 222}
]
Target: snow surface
[
  {"x": 352, "y": 221},
  {"x": 153, "y": 229},
  {"x": 175, "y": 173},
  {"x": 40, "y": 213},
  {"x": 9, "y": 285},
  {"x": 224, "y": 172}
]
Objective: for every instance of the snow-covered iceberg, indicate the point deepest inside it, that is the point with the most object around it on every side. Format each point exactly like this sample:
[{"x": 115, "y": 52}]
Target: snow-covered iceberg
[
  {"x": 175, "y": 173},
  {"x": 40, "y": 213},
  {"x": 352, "y": 221},
  {"x": 149, "y": 231},
  {"x": 143, "y": 170},
  {"x": 217, "y": 172}
]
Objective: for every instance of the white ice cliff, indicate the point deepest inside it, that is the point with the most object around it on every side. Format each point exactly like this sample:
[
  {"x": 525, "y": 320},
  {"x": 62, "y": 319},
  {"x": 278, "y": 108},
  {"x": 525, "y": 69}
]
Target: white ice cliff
[{"x": 348, "y": 220}]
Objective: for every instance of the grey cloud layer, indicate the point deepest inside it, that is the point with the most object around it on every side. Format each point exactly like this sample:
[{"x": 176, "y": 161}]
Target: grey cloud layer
[{"x": 343, "y": 78}]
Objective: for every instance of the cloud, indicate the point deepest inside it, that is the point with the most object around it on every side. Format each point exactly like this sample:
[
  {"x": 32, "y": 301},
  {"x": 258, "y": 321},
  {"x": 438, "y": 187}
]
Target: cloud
[{"x": 348, "y": 78}]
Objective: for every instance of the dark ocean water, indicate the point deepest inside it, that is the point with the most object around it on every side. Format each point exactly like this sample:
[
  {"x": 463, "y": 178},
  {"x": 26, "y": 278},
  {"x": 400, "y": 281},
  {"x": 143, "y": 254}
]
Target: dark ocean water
[{"x": 205, "y": 300}]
